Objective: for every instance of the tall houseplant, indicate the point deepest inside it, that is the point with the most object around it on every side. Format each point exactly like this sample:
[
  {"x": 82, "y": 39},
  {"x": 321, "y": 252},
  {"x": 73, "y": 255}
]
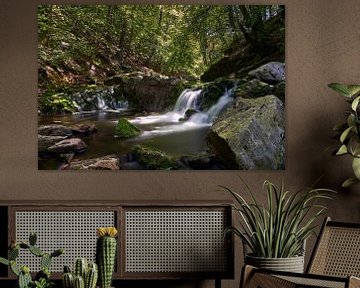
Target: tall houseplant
[
  {"x": 275, "y": 233},
  {"x": 349, "y": 132}
]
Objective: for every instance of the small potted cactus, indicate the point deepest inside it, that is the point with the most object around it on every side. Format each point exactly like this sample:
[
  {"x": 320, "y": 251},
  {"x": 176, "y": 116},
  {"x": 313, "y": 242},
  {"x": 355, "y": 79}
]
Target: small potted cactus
[
  {"x": 106, "y": 254},
  {"x": 42, "y": 278},
  {"x": 85, "y": 275}
]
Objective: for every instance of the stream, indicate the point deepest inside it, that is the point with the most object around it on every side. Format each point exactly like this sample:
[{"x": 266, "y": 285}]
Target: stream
[{"x": 168, "y": 132}]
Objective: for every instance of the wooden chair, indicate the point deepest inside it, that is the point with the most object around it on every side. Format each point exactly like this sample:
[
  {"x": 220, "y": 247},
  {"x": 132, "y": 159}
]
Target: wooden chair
[{"x": 334, "y": 263}]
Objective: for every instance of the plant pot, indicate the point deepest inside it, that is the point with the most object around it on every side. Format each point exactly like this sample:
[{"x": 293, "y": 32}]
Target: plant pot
[{"x": 291, "y": 264}]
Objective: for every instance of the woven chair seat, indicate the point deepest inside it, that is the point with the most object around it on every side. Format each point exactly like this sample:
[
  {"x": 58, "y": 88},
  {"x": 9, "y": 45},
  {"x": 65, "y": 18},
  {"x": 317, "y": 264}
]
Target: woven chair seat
[{"x": 335, "y": 262}]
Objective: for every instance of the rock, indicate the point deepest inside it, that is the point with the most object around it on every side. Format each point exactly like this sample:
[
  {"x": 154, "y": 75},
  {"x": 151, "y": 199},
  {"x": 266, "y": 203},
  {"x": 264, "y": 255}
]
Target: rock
[
  {"x": 124, "y": 129},
  {"x": 199, "y": 161},
  {"x": 54, "y": 130},
  {"x": 212, "y": 91},
  {"x": 251, "y": 135},
  {"x": 44, "y": 142},
  {"x": 252, "y": 89},
  {"x": 280, "y": 91},
  {"x": 273, "y": 72},
  {"x": 151, "y": 92},
  {"x": 153, "y": 159},
  {"x": 110, "y": 162},
  {"x": 75, "y": 145},
  {"x": 83, "y": 128},
  {"x": 190, "y": 112}
]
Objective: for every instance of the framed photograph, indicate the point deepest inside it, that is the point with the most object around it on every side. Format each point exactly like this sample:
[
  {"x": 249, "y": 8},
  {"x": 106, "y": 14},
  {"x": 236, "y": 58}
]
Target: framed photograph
[{"x": 161, "y": 87}]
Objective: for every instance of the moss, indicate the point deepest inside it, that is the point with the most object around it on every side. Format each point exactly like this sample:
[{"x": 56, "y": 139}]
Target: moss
[
  {"x": 124, "y": 129},
  {"x": 153, "y": 159}
]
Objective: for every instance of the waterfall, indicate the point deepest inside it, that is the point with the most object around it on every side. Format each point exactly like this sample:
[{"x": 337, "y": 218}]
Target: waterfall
[
  {"x": 210, "y": 115},
  {"x": 187, "y": 100},
  {"x": 173, "y": 121},
  {"x": 102, "y": 99}
]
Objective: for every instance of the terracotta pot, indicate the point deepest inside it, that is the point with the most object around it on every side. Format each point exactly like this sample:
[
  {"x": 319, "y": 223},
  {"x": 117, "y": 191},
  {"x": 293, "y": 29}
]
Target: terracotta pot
[{"x": 291, "y": 264}]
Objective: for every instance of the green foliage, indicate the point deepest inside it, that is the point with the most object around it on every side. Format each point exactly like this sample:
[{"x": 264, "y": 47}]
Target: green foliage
[
  {"x": 279, "y": 229},
  {"x": 349, "y": 132},
  {"x": 153, "y": 159},
  {"x": 42, "y": 278},
  {"x": 56, "y": 103},
  {"x": 82, "y": 43},
  {"x": 124, "y": 129}
]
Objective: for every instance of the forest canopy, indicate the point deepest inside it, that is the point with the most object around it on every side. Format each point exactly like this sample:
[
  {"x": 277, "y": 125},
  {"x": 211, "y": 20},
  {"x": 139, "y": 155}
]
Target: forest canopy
[{"x": 85, "y": 43}]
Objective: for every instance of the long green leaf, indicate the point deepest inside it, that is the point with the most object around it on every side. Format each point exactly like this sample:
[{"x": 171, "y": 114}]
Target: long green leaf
[{"x": 340, "y": 88}]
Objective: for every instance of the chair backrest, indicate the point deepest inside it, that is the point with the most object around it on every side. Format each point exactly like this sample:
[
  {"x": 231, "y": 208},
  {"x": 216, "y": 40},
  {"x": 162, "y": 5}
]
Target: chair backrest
[{"x": 337, "y": 251}]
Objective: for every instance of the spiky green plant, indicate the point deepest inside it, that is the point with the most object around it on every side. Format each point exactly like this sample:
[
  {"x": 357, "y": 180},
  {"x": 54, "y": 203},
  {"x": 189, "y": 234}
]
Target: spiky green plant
[
  {"x": 279, "y": 229},
  {"x": 42, "y": 278},
  {"x": 84, "y": 273},
  {"x": 106, "y": 254},
  {"x": 349, "y": 132}
]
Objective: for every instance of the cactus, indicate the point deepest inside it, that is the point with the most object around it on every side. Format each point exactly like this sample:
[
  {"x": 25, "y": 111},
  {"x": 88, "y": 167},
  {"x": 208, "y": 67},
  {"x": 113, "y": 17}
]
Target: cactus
[
  {"x": 91, "y": 276},
  {"x": 89, "y": 272},
  {"x": 24, "y": 277},
  {"x": 13, "y": 253},
  {"x": 79, "y": 282},
  {"x": 32, "y": 238},
  {"x": 105, "y": 255},
  {"x": 36, "y": 251},
  {"x": 24, "y": 280},
  {"x": 45, "y": 261},
  {"x": 80, "y": 267},
  {"x": 68, "y": 280},
  {"x": 23, "y": 273}
]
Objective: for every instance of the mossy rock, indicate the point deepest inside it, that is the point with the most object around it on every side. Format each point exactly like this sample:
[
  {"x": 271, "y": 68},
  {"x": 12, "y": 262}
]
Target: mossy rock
[
  {"x": 253, "y": 89},
  {"x": 153, "y": 159},
  {"x": 212, "y": 91},
  {"x": 125, "y": 130}
]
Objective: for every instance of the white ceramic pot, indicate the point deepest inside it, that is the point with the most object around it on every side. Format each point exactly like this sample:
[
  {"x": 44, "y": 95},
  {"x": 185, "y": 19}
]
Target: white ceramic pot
[{"x": 291, "y": 264}]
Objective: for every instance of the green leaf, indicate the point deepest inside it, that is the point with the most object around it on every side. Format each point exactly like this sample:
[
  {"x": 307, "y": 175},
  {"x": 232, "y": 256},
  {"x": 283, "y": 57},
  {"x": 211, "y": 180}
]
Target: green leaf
[
  {"x": 345, "y": 134},
  {"x": 355, "y": 103},
  {"x": 4, "y": 261},
  {"x": 353, "y": 89},
  {"x": 351, "y": 120},
  {"x": 356, "y": 167},
  {"x": 342, "y": 150},
  {"x": 340, "y": 88},
  {"x": 349, "y": 182}
]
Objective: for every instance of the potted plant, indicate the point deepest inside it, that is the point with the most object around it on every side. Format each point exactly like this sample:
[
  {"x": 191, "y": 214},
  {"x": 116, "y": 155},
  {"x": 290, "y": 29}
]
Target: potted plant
[
  {"x": 276, "y": 233},
  {"x": 349, "y": 132}
]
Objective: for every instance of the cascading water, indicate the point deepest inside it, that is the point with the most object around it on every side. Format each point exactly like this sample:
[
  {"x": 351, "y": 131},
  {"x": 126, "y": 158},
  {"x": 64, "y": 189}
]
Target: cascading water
[
  {"x": 208, "y": 117},
  {"x": 173, "y": 121},
  {"x": 187, "y": 100}
]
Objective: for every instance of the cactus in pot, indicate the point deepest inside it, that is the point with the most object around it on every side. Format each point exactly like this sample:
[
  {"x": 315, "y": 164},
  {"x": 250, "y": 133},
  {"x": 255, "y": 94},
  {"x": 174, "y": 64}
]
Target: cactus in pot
[
  {"x": 85, "y": 275},
  {"x": 106, "y": 254}
]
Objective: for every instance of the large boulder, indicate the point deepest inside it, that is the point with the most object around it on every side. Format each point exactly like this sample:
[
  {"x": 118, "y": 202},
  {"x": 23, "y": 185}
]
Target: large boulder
[
  {"x": 110, "y": 162},
  {"x": 54, "y": 130},
  {"x": 272, "y": 73},
  {"x": 251, "y": 135},
  {"x": 253, "y": 89},
  {"x": 44, "y": 142},
  {"x": 151, "y": 93},
  {"x": 75, "y": 145}
]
